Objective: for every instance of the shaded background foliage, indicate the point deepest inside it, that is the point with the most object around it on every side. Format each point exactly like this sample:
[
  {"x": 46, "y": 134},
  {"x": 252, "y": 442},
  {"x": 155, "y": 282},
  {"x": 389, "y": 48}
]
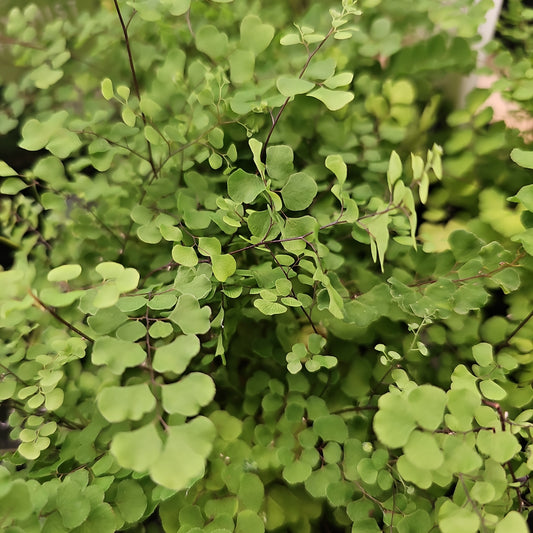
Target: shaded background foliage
[{"x": 268, "y": 277}]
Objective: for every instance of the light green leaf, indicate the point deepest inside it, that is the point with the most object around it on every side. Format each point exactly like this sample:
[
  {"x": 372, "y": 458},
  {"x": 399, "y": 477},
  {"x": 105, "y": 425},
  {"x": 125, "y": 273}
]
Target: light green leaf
[
  {"x": 269, "y": 308},
  {"x": 290, "y": 39},
  {"x": 279, "y": 162},
  {"x": 524, "y": 195},
  {"x": 249, "y": 522},
  {"x": 189, "y": 316},
  {"x": 179, "y": 7},
  {"x": 298, "y": 230},
  {"x": 107, "y": 88},
  {"x": 160, "y": 330},
  {"x": 422, "y": 450},
  {"x": 336, "y": 164},
  {"x": 333, "y": 100},
  {"x": 137, "y": 449},
  {"x": 64, "y": 273},
  {"x": 106, "y": 296},
  {"x": 293, "y": 86},
  {"x": 71, "y": 504},
  {"x": 211, "y": 42},
  {"x": 339, "y": 80},
  {"x": 255, "y": 35},
  {"x": 6, "y": 170},
  {"x": 453, "y": 519},
  {"x": 296, "y": 472},
  {"x": 182, "y": 461},
  {"x": 394, "y": 421},
  {"x": 209, "y": 246},
  {"x": 514, "y": 522},
  {"x": 482, "y": 353},
  {"x": 189, "y": 395},
  {"x": 132, "y": 330},
  {"x": 394, "y": 171},
  {"x": 524, "y": 158},
  {"x": 12, "y": 186},
  {"x": 176, "y": 356},
  {"x": 117, "y": 354},
  {"x": 331, "y": 428},
  {"x": 242, "y": 64},
  {"x": 130, "y": 500},
  {"x": 426, "y": 404},
  {"x": 299, "y": 191},
  {"x": 125, "y": 403},
  {"x": 109, "y": 270},
  {"x": 244, "y": 187},
  {"x": 224, "y": 266},
  {"x": 491, "y": 390},
  {"x": 184, "y": 255}
]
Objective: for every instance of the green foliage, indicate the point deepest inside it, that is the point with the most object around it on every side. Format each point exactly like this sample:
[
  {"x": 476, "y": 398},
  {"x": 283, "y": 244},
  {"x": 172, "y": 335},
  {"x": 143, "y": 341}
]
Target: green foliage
[{"x": 263, "y": 279}]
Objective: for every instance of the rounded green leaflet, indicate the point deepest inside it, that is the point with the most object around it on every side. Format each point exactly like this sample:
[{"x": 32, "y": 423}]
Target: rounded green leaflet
[
  {"x": 524, "y": 158},
  {"x": 331, "y": 428},
  {"x": 131, "y": 331},
  {"x": 251, "y": 491},
  {"x": 318, "y": 482},
  {"x": 419, "y": 521},
  {"x": 249, "y": 522},
  {"x": 6, "y": 170},
  {"x": 73, "y": 507},
  {"x": 117, "y": 354},
  {"x": 255, "y": 35},
  {"x": 125, "y": 403},
  {"x": 182, "y": 461},
  {"x": 137, "y": 449},
  {"x": 12, "y": 186},
  {"x": 166, "y": 300},
  {"x": 64, "y": 273},
  {"x": 130, "y": 500},
  {"x": 413, "y": 473},
  {"x": 483, "y": 492},
  {"x": 482, "y": 353},
  {"x": 491, "y": 390},
  {"x": 160, "y": 330},
  {"x": 453, "y": 518},
  {"x": 427, "y": 404},
  {"x": 422, "y": 449},
  {"x": 228, "y": 427},
  {"x": 224, "y": 266},
  {"x": 394, "y": 421},
  {"x": 269, "y": 308},
  {"x": 500, "y": 446},
  {"x": 244, "y": 187},
  {"x": 106, "y": 295},
  {"x": 291, "y": 86},
  {"x": 107, "y": 88},
  {"x": 460, "y": 456},
  {"x": 299, "y": 191},
  {"x": 176, "y": 356},
  {"x": 512, "y": 522},
  {"x": 242, "y": 64},
  {"x": 184, "y": 255},
  {"x": 333, "y": 100},
  {"x": 189, "y": 316},
  {"x": 15, "y": 500},
  {"x": 211, "y": 42},
  {"x": 188, "y": 395},
  {"x": 296, "y": 472},
  {"x": 109, "y": 270}
]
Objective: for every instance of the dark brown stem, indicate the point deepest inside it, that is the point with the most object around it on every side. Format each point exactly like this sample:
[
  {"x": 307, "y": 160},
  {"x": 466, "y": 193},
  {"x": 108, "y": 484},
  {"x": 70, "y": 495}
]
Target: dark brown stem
[{"x": 61, "y": 319}]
